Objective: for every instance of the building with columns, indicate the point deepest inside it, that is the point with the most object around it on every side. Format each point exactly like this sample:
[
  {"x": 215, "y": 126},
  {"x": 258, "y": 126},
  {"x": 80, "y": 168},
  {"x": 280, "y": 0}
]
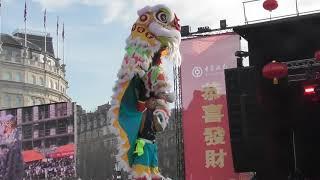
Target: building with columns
[{"x": 30, "y": 76}]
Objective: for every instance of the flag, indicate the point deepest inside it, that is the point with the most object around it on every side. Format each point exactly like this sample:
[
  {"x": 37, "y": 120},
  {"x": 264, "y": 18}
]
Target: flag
[
  {"x": 45, "y": 18},
  {"x": 0, "y": 3},
  {"x": 25, "y": 10},
  {"x": 57, "y": 25},
  {"x": 63, "y": 31}
]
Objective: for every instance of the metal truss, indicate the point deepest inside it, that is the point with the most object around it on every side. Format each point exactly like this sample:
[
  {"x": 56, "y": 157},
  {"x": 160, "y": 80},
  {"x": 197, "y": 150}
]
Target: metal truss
[
  {"x": 302, "y": 70},
  {"x": 178, "y": 122}
]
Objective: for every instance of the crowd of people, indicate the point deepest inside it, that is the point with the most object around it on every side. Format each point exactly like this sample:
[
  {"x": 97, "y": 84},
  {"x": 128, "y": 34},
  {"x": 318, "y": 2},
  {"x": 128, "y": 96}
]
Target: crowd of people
[{"x": 57, "y": 168}]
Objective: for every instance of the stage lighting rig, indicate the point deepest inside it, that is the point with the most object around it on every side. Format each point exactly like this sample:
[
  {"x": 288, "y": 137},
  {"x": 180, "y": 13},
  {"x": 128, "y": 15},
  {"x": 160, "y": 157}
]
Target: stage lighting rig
[{"x": 204, "y": 29}]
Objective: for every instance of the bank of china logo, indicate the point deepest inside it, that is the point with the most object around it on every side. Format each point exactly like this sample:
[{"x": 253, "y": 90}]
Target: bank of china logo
[{"x": 197, "y": 72}]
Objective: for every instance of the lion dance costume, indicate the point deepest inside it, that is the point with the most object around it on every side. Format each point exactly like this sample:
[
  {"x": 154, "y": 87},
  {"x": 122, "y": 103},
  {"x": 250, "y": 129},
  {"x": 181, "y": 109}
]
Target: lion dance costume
[{"x": 140, "y": 104}]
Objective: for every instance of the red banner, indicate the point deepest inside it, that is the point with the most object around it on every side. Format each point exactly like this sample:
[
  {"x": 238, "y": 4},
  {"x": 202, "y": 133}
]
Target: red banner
[
  {"x": 63, "y": 151},
  {"x": 61, "y": 154},
  {"x": 207, "y": 148}
]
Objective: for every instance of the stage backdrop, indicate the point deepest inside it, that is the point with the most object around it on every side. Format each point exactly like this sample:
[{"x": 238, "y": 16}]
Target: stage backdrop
[{"x": 207, "y": 148}]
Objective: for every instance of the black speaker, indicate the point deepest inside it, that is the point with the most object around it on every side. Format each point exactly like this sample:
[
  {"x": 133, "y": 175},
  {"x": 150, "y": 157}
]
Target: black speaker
[
  {"x": 241, "y": 88},
  {"x": 223, "y": 24},
  {"x": 185, "y": 31},
  {"x": 259, "y": 124}
]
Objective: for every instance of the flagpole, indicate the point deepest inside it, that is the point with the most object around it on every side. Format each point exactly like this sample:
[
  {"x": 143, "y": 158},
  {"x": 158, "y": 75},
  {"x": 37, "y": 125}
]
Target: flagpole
[
  {"x": 0, "y": 26},
  {"x": 57, "y": 37},
  {"x": 25, "y": 24},
  {"x": 63, "y": 43},
  {"x": 45, "y": 31},
  {"x": 0, "y": 19}
]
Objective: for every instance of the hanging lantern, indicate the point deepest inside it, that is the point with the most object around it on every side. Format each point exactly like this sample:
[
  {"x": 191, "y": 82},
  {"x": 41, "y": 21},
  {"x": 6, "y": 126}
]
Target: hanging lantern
[
  {"x": 274, "y": 71},
  {"x": 270, "y": 5},
  {"x": 317, "y": 55}
]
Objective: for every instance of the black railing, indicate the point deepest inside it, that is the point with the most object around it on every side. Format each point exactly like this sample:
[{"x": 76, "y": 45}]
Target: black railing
[{"x": 297, "y": 13}]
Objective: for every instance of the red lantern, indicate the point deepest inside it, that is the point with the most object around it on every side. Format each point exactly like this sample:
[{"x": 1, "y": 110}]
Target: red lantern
[
  {"x": 275, "y": 70},
  {"x": 270, "y": 5},
  {"x": 317, "y": 55}
]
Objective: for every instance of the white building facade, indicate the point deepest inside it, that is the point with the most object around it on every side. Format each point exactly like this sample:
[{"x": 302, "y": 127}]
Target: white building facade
[{"x": 30, "y": 76}]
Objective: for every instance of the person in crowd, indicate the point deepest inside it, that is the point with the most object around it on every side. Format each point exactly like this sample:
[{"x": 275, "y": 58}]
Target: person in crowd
[
  {"x": 51, "y": 169},
  {"x": 11, "y": 162}
]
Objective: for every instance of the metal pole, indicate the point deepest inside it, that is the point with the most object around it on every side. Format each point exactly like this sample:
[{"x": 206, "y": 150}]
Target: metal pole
[
  {"x": 45, "y": 41},
  {"x": 57, "y": 37},
  {"x": 25, "y": 25},
  {"x": 244, "y": 12},
  {"x": 75, "y": 131},
  {"x": 45, "y": 30},
  {"x": 0, "y": 26},
  {"x": 297, "y": 10},
  {"x": 63, "y": 50},
  {"x": 294, "y": 150},
  {"x": 25, "y": 34},
  {"x": 270, "y": 15}
]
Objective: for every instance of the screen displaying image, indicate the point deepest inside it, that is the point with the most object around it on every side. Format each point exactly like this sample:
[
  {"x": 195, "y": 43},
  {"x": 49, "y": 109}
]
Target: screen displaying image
[{"x": 37, "y": 142}]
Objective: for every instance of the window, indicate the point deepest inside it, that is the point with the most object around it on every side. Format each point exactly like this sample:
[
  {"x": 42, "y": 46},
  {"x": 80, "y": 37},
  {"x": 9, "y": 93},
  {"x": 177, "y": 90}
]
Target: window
[
  {"x": 89, "y": 126},
  {"x": 41, "y": 81},
  {"x": 33, "y": 101},
  {"x": 61, "y": 109},
  {"x": 7, "y": 76},
  {"x": 44, "y": 111},
  {"x": 38, "y": 101},
  {"x": 95, "y": 123},
  {"x": 34, "y": 79},
  {"x": 27, "y": 114},
  {"x": 7, "y": 100},
  {"x": 51, "y": 84},
  {"x": 27, "y": 132},
  {"x": 53, "y": 63},
  {"x": 19, "y": 101},
  {"x": 16, "y": 56},
  {"x": 18, "y": 77},
  {"x": 167, "y": 163},
  {"x": 13, "y": 112},
  {"x": 32, "y": 62},
  {"x": 41, "y": 101},
  {"x": 8, "y": 54},
  {"x": 56, "y": 86}
]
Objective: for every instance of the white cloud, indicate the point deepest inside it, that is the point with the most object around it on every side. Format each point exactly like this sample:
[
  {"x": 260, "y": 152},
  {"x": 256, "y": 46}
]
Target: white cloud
[
  {"x": 191, "y": 12},
  {"x": 55, "y": 4},
  {"x": 114, "y": 11},
  {"x": 202, "y": 12}
]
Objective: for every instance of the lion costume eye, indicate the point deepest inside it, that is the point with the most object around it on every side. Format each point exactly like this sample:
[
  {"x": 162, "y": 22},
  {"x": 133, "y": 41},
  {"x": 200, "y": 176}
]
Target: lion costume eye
[
  {"x": 144, "y": 18},
  {"x": 162, "y": 17}
]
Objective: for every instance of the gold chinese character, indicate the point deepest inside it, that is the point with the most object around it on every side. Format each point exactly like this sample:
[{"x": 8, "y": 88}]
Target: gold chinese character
[
  {"x": 215, "y": 159},
  {"x": 210, "y": 92},
  {"x": 212, "y": 113},
  {"x": 214, "y": 136}
]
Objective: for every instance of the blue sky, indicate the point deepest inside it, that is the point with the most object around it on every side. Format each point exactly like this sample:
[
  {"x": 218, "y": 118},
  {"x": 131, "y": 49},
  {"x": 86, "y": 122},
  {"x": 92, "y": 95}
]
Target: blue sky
[{"x": 96, "y": 31}]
